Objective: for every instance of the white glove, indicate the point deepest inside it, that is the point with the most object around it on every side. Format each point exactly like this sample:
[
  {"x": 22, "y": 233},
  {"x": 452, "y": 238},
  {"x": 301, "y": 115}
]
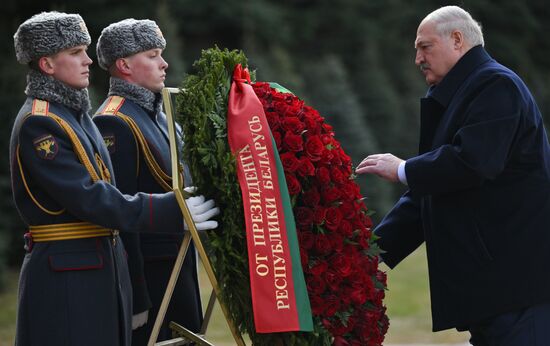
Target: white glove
[
  {"x": 201, "y": 211},
  {"x": 140, "y": 319}
]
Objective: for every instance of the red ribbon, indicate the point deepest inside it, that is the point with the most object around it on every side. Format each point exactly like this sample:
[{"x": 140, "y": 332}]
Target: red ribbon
[{"x": 269, "y": 258}]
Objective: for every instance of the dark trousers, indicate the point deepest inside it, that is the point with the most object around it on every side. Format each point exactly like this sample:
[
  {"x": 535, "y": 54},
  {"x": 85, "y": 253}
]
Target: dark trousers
[{"x": 525, "y": 327}]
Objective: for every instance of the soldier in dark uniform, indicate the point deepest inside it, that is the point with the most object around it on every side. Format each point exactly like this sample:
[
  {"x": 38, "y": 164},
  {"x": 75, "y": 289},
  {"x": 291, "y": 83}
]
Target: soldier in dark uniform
[
  {"x": 135, "y": 129},
  {"x": 74, "y": 285}
]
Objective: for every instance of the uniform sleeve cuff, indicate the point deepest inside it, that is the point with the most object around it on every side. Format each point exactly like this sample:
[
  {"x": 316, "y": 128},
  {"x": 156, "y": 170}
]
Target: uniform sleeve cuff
[{"x": 401, "y": 172}]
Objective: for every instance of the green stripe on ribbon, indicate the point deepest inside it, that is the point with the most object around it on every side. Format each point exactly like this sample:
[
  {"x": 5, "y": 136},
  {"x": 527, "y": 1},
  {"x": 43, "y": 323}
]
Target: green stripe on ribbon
[{"x": 303, "y": 307}]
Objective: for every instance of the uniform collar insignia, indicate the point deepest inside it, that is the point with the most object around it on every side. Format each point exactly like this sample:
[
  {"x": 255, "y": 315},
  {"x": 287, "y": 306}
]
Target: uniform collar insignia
[{"x": 145, "y": 98}]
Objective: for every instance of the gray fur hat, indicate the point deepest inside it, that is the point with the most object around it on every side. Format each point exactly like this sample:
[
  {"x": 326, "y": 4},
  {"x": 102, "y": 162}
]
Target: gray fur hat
[
  {"x": 127, "y": 37},
  {"x": 47, "y": 33}
]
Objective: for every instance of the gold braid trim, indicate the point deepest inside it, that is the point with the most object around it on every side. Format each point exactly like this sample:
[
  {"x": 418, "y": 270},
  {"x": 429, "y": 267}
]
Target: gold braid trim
[
  {"x": 112, "y": 106},
  {"x": 66, "y": 231},
  {"x": 41, "y": 107},
  {"x": 81, "y": 152},
  {"x": 44, "y": 209},
  {"x": 164, "y": 180}
]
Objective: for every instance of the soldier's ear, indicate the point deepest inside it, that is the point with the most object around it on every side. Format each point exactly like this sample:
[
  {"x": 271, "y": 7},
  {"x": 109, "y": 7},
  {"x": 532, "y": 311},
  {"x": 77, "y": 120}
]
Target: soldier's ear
[
  {"x": 123, "y": 66},
  {"x": 46, "y": 65}
]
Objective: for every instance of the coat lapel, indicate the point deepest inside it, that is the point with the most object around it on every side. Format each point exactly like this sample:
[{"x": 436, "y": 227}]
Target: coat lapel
[{"x": 430, "y": 117}]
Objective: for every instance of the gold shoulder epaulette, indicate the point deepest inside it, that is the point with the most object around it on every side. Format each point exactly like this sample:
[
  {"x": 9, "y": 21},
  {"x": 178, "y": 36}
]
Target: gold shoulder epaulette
[
  {"x": 112, "y": 105},
  {"x": 40, "y": 107}
]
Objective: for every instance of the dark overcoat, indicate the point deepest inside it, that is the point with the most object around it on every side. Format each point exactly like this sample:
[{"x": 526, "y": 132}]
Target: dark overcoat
[
  {"x": 479, "y": 196},
  {"x": 76, "y": 291},
  {"x": 151, "y": 257}
]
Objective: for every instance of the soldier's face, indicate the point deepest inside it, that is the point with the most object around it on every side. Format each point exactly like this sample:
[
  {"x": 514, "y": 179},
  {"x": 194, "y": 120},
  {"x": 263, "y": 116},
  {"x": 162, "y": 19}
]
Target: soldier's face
[
  {"x": 148, "y": 69},
  {"x": 70, "y": 66}
]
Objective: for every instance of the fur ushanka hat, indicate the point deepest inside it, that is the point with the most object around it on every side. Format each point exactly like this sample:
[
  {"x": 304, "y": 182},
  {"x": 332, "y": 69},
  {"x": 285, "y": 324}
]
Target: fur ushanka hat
[
  {"x": 127, "y": 37},
  {"x": 47, "y": 33}
]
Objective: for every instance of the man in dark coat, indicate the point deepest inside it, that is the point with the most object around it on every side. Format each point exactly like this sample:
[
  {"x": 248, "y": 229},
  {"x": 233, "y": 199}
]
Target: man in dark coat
[
  {"x": 135, "y": 129},
  {"x": 74, "y": 285},
  {"x": 479, "y": 190}
]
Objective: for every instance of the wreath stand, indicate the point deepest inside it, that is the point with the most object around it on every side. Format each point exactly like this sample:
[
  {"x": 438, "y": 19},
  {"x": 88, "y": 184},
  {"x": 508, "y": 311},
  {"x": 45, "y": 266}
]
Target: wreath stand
[{"x": 185, "y": 336}]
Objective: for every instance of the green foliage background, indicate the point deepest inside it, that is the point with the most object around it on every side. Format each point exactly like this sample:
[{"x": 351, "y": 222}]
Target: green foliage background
[{"x": 353, "y": 60}]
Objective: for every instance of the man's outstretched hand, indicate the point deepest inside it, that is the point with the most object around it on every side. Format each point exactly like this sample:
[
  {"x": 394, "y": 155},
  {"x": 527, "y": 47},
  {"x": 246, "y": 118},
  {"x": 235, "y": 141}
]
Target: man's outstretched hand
[{"x": 383, "y": 165}]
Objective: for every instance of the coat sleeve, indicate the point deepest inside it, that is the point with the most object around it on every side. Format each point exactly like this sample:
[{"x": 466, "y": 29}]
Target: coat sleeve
[
  {"x": 124, "y": 157},
  {"x": 401, "y": 230},
  {"x": 480, "y": 148},
  {"x": 68, "y": 182}
]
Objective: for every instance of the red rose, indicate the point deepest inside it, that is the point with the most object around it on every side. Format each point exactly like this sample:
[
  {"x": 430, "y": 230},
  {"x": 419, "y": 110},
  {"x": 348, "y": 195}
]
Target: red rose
[
  {"x": 349, "y": 209},
  {"x": 337, "y": 241},
  {"x": 314, "y": 148},
  {"x": 322, "y": 244},
  {"x": 336, "y": 161},
  {"x": 326, "y": 157},
  {"x": 293, "y": 124},
  {"x": 333, "y": 279},
  {"x": 304, "y": 257},
  {"x": 316, "y": 285},
  {"x": 350, "y": 191},
  {"x": 293, "y": 184},
  {"x": 323, "y": 175},
  {"x": 315, "y": 300},
  {"x": 277, "y": 139},
  {"x": 273, "y": 120},
  {"x": 289, "y": 161},
  {"x": 311, "y": 125},
  {"x": 319, "y": 268},
  {"x": 327, "y": 127},
  {"x": 319, "y": 214},
  {"x": 312, "y": 113},
  {"x": 333, "y": 218},
  {"x": 304, "y": 217},
  {"x": 293, "y": 142},
  {"x": 346, "y": 160},
  {"x": 359, "y": 295},
  {"x": 337, "y": 175},
  {"x": 262, "y": 89},
  {"x": 330, "y": 194},
  {"x": 307, "y": 239},
  {"x": 306, "y": 168},
  {"x": 342, "y": 264},
  {"x": 335, "y": 326},
  {"x": 345, "y": 228},
  {"x": 311, "y": 197},
  {"x": 364, "y": 237},
  {"x": 381, "y": 276},
  {"x": 293, "y": 107},
  {"x": 332, "y": 305},
  {"x": 326, "y": 138}
]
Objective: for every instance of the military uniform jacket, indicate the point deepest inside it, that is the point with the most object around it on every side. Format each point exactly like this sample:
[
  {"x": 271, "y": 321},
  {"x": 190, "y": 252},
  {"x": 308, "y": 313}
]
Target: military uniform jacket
[
  {"x": 74, "y": 291},
  {"x": 479, "y": 196},
  {"x": 135, "y": 128}
]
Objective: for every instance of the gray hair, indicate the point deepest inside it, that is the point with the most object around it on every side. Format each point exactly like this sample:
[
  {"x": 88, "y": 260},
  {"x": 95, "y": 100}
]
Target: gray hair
[{"x": 450, "y": 18}]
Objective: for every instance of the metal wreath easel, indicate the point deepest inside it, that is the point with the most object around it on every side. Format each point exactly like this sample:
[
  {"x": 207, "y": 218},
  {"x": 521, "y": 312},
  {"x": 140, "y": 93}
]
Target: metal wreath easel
[{"x": 185, "y": 335}]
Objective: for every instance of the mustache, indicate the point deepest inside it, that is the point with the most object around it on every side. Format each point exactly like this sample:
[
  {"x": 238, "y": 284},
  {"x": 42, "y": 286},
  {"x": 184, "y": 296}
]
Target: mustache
[{"x": 424, "y": 66}]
